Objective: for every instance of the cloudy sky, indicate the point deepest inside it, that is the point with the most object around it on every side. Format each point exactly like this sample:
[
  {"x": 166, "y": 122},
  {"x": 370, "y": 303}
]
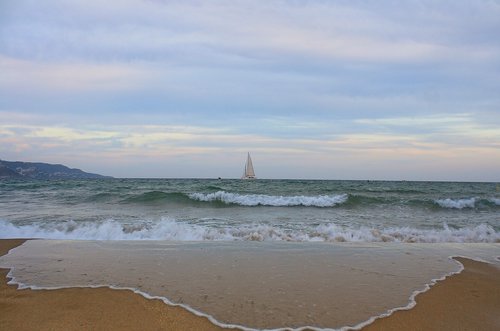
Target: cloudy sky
[{"x": 312, "y": 89}]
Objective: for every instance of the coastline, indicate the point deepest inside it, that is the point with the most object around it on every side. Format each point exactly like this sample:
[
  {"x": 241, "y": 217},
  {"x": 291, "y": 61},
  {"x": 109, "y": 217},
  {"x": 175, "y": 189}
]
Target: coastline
[
  {"x": 87, "y": 308},
  {"x": 469, "y": 300}
]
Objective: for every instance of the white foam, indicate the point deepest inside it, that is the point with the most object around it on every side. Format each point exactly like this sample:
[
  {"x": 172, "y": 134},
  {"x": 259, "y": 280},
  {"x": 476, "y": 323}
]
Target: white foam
[
  {"x": 112, "y": 230},
  {"x": 168, "y": 229},
  {"x": 271, "y": 200},
  {"x": 496, "y": 201},
  {"x": 457, "y": 203}
]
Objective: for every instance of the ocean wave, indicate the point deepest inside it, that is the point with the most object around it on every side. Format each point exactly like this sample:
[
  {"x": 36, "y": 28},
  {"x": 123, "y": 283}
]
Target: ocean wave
[
  {"x": 355, "y": 200},
  {"x": 156, "y": 197},
  {"x": 270, "y": 200},
  {"x": 221, "y": 198},
  {"x": 472, "y": 202},
  {"x": 100, "y": 197},
  {"x": 168, "y": 229},
  {"x": 457, "y": 203}
]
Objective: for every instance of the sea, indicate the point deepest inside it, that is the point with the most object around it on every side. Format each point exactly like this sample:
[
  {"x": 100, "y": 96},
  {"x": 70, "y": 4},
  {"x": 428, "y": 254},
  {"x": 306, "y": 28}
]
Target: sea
[
  {"x": 251, "y": 210},
  {"x": 252, "y": 254}
]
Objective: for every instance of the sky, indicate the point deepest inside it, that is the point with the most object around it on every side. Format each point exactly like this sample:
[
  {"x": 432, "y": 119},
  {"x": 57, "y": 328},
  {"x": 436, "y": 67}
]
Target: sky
[{"x": 394, "y": 90}]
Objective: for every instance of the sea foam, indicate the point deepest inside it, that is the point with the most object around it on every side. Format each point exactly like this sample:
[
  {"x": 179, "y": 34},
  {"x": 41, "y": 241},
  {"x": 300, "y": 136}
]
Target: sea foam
[
  {"x": 270, "y": 200},
  {"x": 457, "y": 203},
  {"x": 169, "y": 229},
  {"x": 495, "y": 201}
]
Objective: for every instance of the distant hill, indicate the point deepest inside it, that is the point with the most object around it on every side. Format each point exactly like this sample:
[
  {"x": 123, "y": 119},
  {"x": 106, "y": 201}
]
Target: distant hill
[{"x": 37, "y": 170}]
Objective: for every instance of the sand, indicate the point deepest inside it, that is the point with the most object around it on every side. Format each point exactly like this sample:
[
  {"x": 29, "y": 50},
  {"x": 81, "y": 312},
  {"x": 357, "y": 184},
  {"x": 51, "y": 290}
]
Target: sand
[
  {"x": 467, "y": 301},
  {"x": 88, "y": 309}
]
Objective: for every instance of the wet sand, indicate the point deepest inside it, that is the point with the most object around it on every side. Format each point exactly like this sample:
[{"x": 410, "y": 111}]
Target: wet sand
[
  {"x": 87, "y": 309},
  {"x": 261, "y": 285},
  {"x": 467, "y": 301}
]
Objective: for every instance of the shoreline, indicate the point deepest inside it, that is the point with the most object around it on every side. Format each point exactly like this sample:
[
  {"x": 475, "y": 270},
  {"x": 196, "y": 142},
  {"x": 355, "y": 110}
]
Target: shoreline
[
  {"x": 468, "y": 300},
  {"x": 100, "y": 308},
  {"x": 476, "y": 293}
]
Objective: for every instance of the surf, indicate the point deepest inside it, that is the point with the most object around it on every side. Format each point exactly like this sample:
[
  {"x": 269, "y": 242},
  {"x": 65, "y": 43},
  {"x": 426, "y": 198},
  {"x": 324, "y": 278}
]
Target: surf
[{"x": 221, "y": 230}]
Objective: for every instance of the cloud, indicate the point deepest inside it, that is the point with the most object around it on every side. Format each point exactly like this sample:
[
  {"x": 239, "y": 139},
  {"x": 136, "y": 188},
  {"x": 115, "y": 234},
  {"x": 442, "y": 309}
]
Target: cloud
[
  {"x": 195, "y": 151},
  {"x": 330, "y": 82},
  {"x": 29, "y": 75},
  {"x": 431, "y": 121},
  {"x": 186, "y": 32},
  {"x": 443, "y": 133},
  {"x": 449, "y": 129}
]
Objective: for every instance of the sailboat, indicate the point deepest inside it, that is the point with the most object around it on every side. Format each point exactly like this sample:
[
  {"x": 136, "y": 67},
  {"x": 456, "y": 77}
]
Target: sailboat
[{"x": 249, "y": 173}]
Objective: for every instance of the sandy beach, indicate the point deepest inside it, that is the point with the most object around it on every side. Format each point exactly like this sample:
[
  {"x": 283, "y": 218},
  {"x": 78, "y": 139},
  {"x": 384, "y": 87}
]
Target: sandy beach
[
  {"x": 87, "y": 309},
  {"x": 466, "y": 301}
]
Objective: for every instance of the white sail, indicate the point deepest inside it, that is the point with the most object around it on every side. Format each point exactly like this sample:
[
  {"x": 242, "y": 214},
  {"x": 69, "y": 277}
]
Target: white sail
[{"x": 249, "y": 172}]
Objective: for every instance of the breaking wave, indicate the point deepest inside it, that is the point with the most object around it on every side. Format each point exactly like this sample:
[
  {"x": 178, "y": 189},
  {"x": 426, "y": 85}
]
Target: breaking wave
[
  {"x": 457, "y": 203},
  {"x": 270, "y": 200},
  {"x": 168, "y": 229},
  {"x": 467, "y": 202},
  {"x": 224, "y": 198}
]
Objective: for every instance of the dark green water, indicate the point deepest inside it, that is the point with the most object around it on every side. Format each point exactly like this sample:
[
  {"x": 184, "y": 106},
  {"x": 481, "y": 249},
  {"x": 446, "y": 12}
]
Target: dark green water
[{"x": 294, "y": 210}]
